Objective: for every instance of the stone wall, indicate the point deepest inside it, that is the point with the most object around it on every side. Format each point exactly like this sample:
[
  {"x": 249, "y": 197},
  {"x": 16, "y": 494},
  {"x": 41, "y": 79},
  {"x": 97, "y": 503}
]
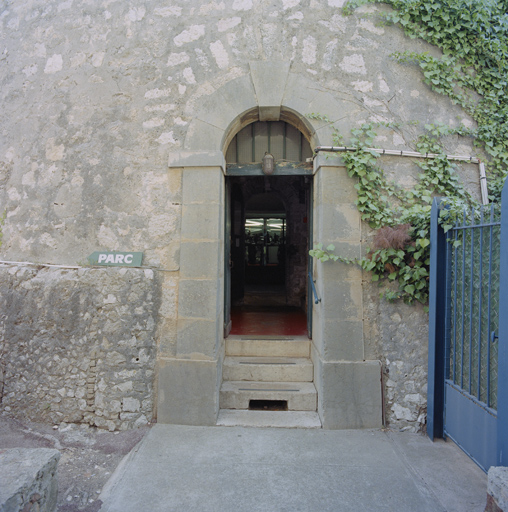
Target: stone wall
[
  {"x": 397, "y": 334},
  {"x": 78, "y": 345},
  {"x": 96, "y": 96},
  {"x": 95, "y": 99}
]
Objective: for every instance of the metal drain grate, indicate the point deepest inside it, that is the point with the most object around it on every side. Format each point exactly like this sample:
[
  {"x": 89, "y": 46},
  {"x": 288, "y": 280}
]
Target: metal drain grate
[{"x": 268, "y": 405}]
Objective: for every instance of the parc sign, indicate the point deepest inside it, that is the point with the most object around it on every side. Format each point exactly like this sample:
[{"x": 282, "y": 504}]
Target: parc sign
[{"x": 116, "y": 259}]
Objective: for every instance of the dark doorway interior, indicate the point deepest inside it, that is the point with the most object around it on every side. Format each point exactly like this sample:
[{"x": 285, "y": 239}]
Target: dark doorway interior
[{"x": 268, "y": 260}]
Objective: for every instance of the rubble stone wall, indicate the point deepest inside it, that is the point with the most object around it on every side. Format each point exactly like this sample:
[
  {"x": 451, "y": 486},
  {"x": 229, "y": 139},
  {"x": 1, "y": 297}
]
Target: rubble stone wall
[
  {"x": 397, "y": 334},
  {"x": 78, "y": 345}
]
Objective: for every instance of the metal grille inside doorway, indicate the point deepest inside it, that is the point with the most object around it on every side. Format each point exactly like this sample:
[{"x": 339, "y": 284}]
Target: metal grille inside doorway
[{"x": 282, "y": 140}]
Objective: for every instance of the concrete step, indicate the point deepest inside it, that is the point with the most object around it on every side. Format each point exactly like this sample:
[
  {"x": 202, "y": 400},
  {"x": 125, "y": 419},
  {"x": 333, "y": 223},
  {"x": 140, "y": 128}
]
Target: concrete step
[
  {"x": 283, "y": 419},
  {"x": 268, "y": 369},
  {"x": 300, "y": 396},
  {"x": 267, "y": 346}
]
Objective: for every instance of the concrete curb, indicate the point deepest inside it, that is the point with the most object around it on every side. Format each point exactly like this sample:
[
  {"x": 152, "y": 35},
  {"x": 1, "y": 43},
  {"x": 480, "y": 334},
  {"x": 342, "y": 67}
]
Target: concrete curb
[{"x": 108, "y": 489}]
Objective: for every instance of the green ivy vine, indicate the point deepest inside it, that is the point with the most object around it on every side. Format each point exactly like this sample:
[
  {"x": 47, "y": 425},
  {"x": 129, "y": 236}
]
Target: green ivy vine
[
  {"x": 400, "y": 251},
  {"x": 472, "y": 71}
]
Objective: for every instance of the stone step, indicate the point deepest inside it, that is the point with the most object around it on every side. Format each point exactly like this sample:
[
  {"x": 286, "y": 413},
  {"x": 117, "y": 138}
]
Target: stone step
[
  {"x": 259, "y": 346},
  {"x": 268, "y": 369},
  {"x": 300, "y": 396},
  {"x": 282, "y": 419}
]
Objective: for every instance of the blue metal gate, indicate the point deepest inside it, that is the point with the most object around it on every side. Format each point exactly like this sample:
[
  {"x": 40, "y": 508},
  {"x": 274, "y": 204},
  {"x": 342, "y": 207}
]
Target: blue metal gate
[
  {"x": 468, "y": 303},
  {"x": 471, "y": 355}
]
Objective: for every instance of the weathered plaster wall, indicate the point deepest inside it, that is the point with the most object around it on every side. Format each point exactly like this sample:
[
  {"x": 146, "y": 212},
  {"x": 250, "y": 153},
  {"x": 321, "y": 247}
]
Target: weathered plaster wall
[
  {"x": 95, "y": 96},
  {"x": 78, "y": 345}
]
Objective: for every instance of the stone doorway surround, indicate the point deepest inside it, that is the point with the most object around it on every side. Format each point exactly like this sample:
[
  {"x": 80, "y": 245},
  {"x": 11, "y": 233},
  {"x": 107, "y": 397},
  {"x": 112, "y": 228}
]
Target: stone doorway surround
[{"x": 189, "y": 378}]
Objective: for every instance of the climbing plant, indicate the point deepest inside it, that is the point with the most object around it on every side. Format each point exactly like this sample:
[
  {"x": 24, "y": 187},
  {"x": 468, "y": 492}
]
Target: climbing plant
[
  {"x": 400, "y": 218},
  {"x": 472, "y": 71}
]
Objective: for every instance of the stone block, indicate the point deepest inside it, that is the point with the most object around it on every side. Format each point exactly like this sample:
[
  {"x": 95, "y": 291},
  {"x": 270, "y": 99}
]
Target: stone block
[
  {"x": 167, "y": 333},
  {"x": 203, "y": 135},
  {"x": 269, "y": 79},
  {"x": 28, "y": 476},
  {"x": 202, "y": 185},
  {"x": 215, "y": 111},
  {"x": 300, "y": 396},
  {"x": 200, "y": 221},
  {"x": 198, "y": 298},
  {"x": 325, "y": 103},
  {"x": 339, "y": 222},
  {"x": 130, "y": 404},
  {"x": 497, "y": 489},
  {"x": 212, "y": 158},
  {"x": 237, "y": 96},
  {"x": 199, "y": 260},
  {"x": 349, "y": 395},
  {"x": 341, "y": 300},
  {"x": 273, "y": 369},
  {"x": 188, "y": 392},
  {"x": 337, "y": 270},
  {"x": 299, "y": 92},
  {"x": 234, "y": 97},
  {"x": 298, "y": 347},
  {"x": 197, "y": 336},
  {"x": 317, "y": 332},
  {"x": 338, "y": 187},
  {"x": 269, "y": 113},
  {"x": 343, "y": 340}
]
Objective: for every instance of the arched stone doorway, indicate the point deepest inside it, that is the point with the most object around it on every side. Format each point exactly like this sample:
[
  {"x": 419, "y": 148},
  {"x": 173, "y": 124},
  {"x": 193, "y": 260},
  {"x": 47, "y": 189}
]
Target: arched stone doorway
[{"x": 190, "y": 370}]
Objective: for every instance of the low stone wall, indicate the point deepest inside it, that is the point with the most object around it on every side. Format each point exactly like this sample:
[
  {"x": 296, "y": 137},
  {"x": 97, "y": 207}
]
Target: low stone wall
[
  {"x": 397, "y": 335},
  {"x": 78, "y": 345},
  {"x": 497, "y": 490}
]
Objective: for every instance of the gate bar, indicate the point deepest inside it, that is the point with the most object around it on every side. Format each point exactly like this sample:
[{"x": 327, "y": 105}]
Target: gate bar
[
  {"x": 502, "y": 371},
  {"x": 454, "y": 330},
  {"x": 471, "y": 300},
  {"x": 464, "y": 223},
  {"x": 489, "y": 307},
  {"x": 480, "y": 285},
  {"x": 437, "y": 325}
]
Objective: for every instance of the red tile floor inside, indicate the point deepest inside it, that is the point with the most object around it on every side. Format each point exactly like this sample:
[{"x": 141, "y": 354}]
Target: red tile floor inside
[{"x": 268, "y": 321}]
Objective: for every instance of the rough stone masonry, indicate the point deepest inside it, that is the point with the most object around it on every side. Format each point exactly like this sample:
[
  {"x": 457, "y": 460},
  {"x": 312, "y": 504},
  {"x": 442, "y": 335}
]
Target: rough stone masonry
[
  {"x": 78, "y": 346},
  {"x": 95, "y": 96}
]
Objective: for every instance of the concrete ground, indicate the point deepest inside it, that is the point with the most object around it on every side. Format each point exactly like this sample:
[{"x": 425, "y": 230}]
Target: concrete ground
[{"x": 182, "y": 468}]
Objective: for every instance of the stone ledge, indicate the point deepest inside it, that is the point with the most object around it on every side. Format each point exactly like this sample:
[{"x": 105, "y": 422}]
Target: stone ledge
[
  {"x": 28, "y": 475},
  {"x": 497, "y": 489},
  {"x": 197, "y": 159}
]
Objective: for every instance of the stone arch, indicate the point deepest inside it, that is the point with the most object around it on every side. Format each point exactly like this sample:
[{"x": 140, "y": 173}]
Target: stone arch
[
  {"x": 269, "y": 91},
  {"x": 287, "y": 115}
]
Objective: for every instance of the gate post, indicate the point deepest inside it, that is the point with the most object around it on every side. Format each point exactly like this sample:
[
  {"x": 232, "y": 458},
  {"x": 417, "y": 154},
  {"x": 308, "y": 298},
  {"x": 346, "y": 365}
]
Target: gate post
[
  {"x": 502, "y": 371},
  {"x": 437, "y": 325}
]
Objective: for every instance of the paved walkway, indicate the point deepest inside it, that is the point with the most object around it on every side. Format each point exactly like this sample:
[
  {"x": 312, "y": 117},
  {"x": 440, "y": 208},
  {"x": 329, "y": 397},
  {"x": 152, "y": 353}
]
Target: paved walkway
[{"x": 235, "y": 469}]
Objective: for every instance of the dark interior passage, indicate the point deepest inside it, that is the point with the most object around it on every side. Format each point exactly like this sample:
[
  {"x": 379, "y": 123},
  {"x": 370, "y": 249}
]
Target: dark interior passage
[{"x": 269, "y": 254}]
